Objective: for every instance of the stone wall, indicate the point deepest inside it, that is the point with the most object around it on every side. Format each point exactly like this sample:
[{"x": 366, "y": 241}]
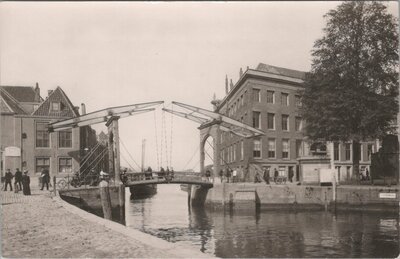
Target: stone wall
[{"x": 303, "y": 197}]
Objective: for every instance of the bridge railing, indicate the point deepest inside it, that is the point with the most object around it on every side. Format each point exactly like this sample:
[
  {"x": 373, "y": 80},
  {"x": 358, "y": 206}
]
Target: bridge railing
[{"x": 183, "y": 176}]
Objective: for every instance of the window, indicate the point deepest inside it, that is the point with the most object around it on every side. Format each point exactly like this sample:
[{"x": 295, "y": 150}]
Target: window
[
  {"x": 285, "y": 99},
  {"x": 241, "y": 150},
  {"x": 42, "y": 163},
  {"x": 297, "y": 100},
  {"x": 256, "y": 95},
  {"x": 298, "y": 123},
  {"x": 348, "y": 151},
  {"x": 241, "y": 99},
  {"x": 65, "y": 138},
  {"x": 35, "y": 106},
  {"x": 42, "y": 135},
  {"x": 369, "y": 151},
  {"x": 271, "y": 148},
  {"x": 336, "y": 151},
  {"x": 55, "y": 106},
  {"x": 256, "y": 120},
  {"x": 65, "y": 165},
  {"x": 270, "y": 96},
  {"x": 271, "y": 121},
  {"x": 285, "y": 148},
  {"x": 299, "y": 148},
  {"x": 257, "y": 148},
  {"x": 285, "y": 122}
]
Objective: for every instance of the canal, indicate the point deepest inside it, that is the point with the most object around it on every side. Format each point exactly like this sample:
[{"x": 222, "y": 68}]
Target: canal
[{"x": 266, "y": 234}]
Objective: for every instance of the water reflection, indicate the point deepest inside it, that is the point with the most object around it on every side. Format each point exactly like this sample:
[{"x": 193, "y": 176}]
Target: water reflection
[{"x": 267, "y": 234}]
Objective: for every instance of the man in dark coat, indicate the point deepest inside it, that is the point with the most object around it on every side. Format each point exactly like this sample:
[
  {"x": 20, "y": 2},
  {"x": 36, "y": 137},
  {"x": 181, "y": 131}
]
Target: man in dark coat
[
  {"x": 18, "y": 179},
  {"x": 266, "y": 175},
  {"x": 45, "y": 179},
  {"x": 8, "y": 177},
  {"x": 276, "y": 174},
  {"x": 25, "y": 183}
]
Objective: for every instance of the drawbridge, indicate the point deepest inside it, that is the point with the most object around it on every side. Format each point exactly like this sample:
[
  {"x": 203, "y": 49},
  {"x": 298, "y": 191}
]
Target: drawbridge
[{"x": 211, "y": 124}]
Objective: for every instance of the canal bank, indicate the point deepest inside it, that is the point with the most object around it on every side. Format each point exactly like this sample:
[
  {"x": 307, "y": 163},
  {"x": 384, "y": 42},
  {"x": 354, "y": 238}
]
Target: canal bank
[
  {"x": 45, "y": 226},
  {"x": 248, "y": 196}
]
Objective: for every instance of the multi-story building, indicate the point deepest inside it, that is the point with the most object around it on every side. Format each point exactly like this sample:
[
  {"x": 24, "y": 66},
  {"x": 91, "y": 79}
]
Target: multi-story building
[
  {"x": 26, "y": 142},
  {"x": 268, "y": 98}
]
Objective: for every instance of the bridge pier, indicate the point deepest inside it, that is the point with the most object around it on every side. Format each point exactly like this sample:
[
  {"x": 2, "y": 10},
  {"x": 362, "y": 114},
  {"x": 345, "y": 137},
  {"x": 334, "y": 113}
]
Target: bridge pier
[{"x": 197, "y": 195}]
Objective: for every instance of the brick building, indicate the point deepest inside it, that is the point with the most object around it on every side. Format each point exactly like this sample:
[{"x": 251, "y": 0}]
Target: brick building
[
  {"x": 25, "y": 140},
  {"x": 268, "y": 98}
]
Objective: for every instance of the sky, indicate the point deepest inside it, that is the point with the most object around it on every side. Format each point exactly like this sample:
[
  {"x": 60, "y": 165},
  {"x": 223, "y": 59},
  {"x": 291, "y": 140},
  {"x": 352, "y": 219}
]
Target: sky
[{"x": 107, "y": 54}]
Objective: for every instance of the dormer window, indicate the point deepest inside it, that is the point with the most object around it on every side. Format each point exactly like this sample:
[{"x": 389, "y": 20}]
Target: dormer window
[{"x": 55, "y": 106}]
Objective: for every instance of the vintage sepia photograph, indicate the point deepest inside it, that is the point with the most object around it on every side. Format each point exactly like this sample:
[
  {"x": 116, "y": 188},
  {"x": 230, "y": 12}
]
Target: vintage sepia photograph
[{"x": 183, "y": 129}]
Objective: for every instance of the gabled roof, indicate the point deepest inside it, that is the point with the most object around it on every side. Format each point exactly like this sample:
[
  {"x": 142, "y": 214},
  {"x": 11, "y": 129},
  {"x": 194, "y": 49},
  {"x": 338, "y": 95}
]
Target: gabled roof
[
  {"x": 281, "y": 71},
  {"x": 22, "y": 93},
  {"x": 66, "y": 108},
  {"x": 9, "y": 104}
]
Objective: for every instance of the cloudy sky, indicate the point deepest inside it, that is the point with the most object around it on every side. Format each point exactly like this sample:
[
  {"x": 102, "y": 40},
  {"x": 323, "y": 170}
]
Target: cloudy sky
[{"x": 110, "y": 54}]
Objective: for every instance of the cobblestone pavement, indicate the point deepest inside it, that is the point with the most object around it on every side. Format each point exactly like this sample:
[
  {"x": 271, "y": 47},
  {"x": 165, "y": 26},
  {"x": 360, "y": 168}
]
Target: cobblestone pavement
[{"x": 37, "y": 226}]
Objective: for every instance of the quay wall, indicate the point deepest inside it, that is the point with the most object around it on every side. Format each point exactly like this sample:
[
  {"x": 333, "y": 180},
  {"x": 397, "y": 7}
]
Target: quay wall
[
  {"x": 89, "y": 200},
  {"x": 246, "y": 195}
]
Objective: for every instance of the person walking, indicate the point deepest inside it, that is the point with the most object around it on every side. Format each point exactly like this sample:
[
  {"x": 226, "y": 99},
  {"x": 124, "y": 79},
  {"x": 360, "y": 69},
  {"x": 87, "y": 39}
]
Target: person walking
[
  {"x": 266, "y": 175},
  {"x": 45, "y": 179},
  {"x": 291, "y": 174},
  {"x": 221, "y": 174},
  {"x": 367, "y": 174},
  {"x": 18, "y": 179},
  {"x": 25, "y": 183},
  {"x": 8, "y": 177},
  {"x": 234, "y": 176},
  {"x": 276, "y": 175},
  {"x": 228, "y": 174}
]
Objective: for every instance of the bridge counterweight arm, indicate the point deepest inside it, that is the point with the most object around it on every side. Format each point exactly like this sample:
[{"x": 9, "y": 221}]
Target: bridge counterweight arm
[
  {"x": 112, "y": 111},
  {"x": 220, "y": 117},
  {"x": 92, "y": 121},
  {"x": 188, "y": 116}
]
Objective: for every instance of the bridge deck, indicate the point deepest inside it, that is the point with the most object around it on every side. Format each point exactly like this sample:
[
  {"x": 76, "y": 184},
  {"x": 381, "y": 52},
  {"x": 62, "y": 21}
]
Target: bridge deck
[{"x": 135, "y": 180}]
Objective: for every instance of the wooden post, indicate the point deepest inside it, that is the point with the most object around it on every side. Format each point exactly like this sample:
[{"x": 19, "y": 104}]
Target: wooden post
[
  {"x": 54, "y": 184},
  {"x": 117, "y": 165},
  {"x": 121, "y": 199},
  {"x": 105, "y": 199},
  {"x": 334, "y": 174}
]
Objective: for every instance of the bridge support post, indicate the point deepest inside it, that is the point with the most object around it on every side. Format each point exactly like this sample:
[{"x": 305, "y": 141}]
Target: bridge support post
[
  {"x": 105, "y": 200},
  {"x": 121, "y": 200},
  {"x": 113, "y": 145},
  {"x": 211, "y": 130}
]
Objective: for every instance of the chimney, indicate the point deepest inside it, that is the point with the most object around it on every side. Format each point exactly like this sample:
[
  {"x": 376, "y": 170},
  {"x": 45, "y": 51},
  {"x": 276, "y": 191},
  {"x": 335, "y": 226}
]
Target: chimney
[
  {"x": 247, "y": 67},
  {"x": 83, "y": 109},
  {"x": 240, "y": 72},
  {"x": 226, "y": 84},
  {"x": 37, "y": 93},
  {"x": 231, "y": 84}
]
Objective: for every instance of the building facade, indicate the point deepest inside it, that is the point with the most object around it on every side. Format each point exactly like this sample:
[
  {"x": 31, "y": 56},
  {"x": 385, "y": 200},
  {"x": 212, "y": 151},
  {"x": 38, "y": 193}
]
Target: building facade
[
  {"x": 269, "y": 98},
  {"x": 26, "y": 142}
]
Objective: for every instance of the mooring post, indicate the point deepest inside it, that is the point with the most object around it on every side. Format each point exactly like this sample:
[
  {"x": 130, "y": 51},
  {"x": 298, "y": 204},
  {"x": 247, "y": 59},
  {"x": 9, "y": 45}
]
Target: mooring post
[
  {"x": 54, "y": 184},
  {"x": 105, "y": 199},
  {"x": 121, "y": 199}
]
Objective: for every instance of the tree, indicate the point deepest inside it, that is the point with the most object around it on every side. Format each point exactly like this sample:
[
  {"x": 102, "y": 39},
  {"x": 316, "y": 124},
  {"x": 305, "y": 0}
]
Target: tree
[{"x": 352, "y": 89}]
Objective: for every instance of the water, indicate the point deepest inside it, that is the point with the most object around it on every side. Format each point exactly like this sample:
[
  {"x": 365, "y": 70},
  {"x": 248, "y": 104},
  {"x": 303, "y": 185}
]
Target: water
[{"x": 267, "y": 234}]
